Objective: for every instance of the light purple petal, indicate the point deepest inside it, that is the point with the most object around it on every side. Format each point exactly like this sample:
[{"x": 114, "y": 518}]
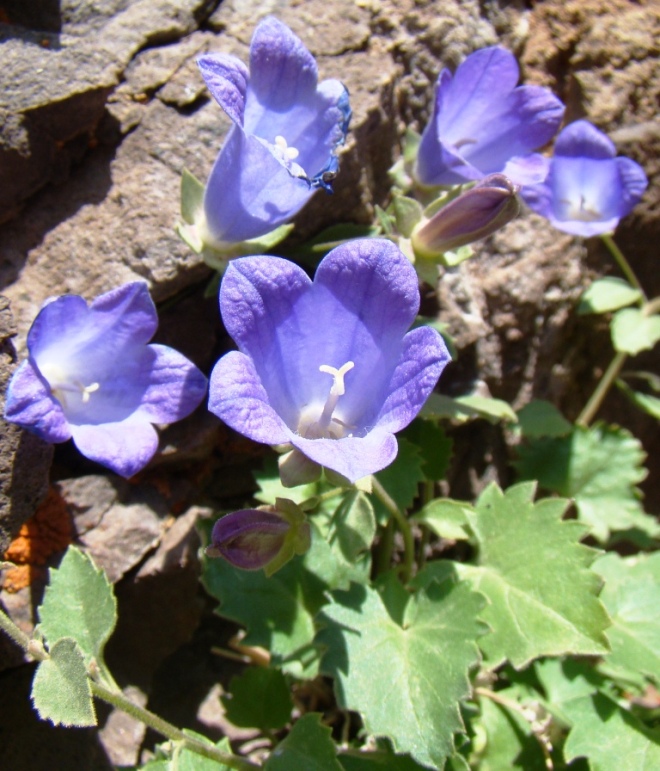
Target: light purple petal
[
  {"x": 527, "y": 170},
  {"x": 250, "y": 192},
  {"x": 124, "y": 447},
  {"x": 237, "y": 397},
  {"x": 226, "y": 78},
  {"x": 175, "y": 386},
  {"x": 423, "y": 359},
  {"x": 282, "y": 70},
  {"x": 633, "y": 183},
  {"x": 353, "y": 457},
  {"x": 96, "y": 337},
  {"x": 481, "y": 120},
  {"x": 582, "y": 139},
  {"x": 30, "y": 404}
]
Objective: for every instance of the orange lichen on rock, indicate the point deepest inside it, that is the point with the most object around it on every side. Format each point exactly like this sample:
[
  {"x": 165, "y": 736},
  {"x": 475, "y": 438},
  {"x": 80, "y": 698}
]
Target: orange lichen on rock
[{"x": 47, "y": 532}]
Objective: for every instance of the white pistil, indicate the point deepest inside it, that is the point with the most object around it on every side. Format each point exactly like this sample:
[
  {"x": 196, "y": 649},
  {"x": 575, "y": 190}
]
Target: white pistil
[
  {"x": 581, "y": 213},
  {"x": 60, "y": 385},
  {"x": 289, "y": 152},
  {"x": 337, "y": 389}
]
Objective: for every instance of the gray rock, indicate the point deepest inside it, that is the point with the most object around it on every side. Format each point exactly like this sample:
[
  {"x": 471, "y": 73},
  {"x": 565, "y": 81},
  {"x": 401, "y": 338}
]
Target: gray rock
[{"x": 24, "y": 458}]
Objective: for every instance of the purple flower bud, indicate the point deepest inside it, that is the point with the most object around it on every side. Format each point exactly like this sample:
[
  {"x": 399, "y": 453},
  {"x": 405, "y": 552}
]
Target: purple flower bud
[
  {"x": 267, "y": 538},
  {"x": 475, "y": 214}
]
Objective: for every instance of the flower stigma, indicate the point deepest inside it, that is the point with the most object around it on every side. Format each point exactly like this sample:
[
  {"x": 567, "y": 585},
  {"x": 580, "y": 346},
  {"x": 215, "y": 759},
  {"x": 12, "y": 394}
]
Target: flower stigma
[
  {"x": 60, "y": 385},
  {"x": 322, "y": 428},
  {"x": 581, "y": 212}
]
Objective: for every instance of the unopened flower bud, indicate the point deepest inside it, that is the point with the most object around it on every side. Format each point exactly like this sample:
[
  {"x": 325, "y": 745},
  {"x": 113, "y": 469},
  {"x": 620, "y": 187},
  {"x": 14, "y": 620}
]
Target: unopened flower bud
[
  {"x": 266, "y": 538},
  {"x": 475, "y": 214}
]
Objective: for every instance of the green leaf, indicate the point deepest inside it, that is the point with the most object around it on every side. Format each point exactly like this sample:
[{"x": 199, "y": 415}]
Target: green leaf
[
  {"x": 631, "y": 596},
  {"x": 464, "y": 408},
  {"x": 434, "y": 445},
  {"x": 278, "y": 612},
  {"x": 608, "y": 294},
  {"x": 380, "y": 760},
  {"x": 407, "y": 213},
  {"x": 446, "y": 518},
  {"x": 79, "y": 603},
  {"x": 180, "y": 758},
  {"x": 533, "y": 570},
  {"x": 611, "y": 738},
  {"x": 563, "y": 681},
  {"x": 509, "y": 741},
  {"x": 327, "y": 562},
  {"x": 406, "y": 681},
  {"x": 633, "y": 331},
  {"x": 645, "y": 402},
  {"x": 61, "y": 690},
  {"x": 192, "y": 197},
  {"x": 353, "y": 525},
  {"x": 401, "y": 478},
  {"x": 308, "y": 747},
  {"x": 259, "y": 697},
  {"x": 541, "y": 418},
  {"x": 599, "y": 468}
]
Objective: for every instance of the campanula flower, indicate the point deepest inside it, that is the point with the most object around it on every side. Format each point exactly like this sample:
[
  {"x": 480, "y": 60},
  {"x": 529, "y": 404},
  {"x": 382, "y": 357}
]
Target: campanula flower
[
  {"x": 284, "y": 141},
  {"x": 588, "y": 189},
  {"x": 267, "y": 537},
  {"x": 326, "y": 366},
  {"x": 477, "y": 213},
  {"x": 483, "y": 123},
  {"x": 91, "y": 376}
]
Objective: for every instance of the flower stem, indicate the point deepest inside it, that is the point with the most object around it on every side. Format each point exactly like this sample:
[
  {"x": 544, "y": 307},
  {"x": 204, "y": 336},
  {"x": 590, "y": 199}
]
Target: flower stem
[
  {"x": 115, "y": 697},
  {"x": 597, "y": 397},
  {"x": 623, "y": 263},
  {"x": 404, "y": 526}
]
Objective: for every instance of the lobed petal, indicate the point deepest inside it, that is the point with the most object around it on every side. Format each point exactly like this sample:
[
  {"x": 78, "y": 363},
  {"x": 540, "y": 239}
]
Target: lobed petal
[
  {"x": 633, "y": 183},
  {"x": 30, "y": 404},
  {"x": 227, "y": 79},
  {"x": 124, "y": 447},
  {"x": 582, "y": 139},
  {"x": 174, "y": 386},
  {"x": 237, "y": 397},
  {"x": 250, "y": 192},
  {"x": 353, "y": 457},
  {"x": 282, "y": 70},
  {"x": 423, "y": 359}
]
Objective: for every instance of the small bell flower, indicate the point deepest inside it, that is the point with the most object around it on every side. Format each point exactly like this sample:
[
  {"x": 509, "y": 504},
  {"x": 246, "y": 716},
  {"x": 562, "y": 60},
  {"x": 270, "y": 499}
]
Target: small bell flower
[
  {"x": 483, "y": 123},
  {"x": 267, "y": 537},
  {"x": 477, "y": 213},
  {"x": 91, "y": 376},
  {"x": 283, "y": 144},
  {"x": 328, "y": 366},
  {"x": 588, "y": 188}
]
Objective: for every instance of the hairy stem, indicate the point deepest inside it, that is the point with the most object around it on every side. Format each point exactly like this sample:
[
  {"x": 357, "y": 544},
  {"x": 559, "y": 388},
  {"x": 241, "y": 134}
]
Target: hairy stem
[
  {"x": 404, "y": 526},
  {"x": 623, "y": 263}
]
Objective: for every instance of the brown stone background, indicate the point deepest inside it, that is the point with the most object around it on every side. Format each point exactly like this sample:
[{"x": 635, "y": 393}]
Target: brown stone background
[{"x": 101, "y": 106}]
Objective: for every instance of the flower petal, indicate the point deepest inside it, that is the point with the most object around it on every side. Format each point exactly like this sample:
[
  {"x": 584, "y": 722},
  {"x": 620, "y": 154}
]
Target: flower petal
[
  {"x": 582, "y": 139},
  {"x": 353, "y": 457},
  {"x": 423, "y": 359},
  {"x": 175, "y": 385},
  {"x": 282, "y": 70},
  {"x": 227, "y": 79},
  {"x": 237, "y": 397},
  {"x": 125, "y": 447},
  {"x": 250, "y": 192},
  {"x": 31, "y": 404}
]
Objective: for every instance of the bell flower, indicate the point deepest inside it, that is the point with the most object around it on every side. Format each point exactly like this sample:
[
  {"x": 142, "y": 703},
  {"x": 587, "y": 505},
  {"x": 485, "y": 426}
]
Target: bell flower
[
  {"x": 475, "y": 214},
  {"x": 267, "y": 537},
  {"x": 284, "y": 141},
  {"x": 588, "y": 189},
  {"x": 91, "y": 376},
  {"x": 326, "y": 366},
  {"x": 483, "y": 123}
]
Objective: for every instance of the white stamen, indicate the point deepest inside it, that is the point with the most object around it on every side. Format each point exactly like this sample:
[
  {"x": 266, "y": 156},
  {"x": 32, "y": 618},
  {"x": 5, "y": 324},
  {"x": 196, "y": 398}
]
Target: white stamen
[
  {"x": 327, "y": 426},
  {"x": 290, "y": 152},
  {"x": 337, "y": 389},
  {"x": 581, "y": 212},
  {"x": 60, "y": 385}
]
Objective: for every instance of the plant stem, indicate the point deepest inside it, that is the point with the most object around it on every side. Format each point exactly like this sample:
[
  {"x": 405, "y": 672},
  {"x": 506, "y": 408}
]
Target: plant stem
[
  {"x": 597, "y": 397},
  {"x": 623, "y": 263},
  {"x": 404, "y": 526},
  {"x": 117, "y": 699}
]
